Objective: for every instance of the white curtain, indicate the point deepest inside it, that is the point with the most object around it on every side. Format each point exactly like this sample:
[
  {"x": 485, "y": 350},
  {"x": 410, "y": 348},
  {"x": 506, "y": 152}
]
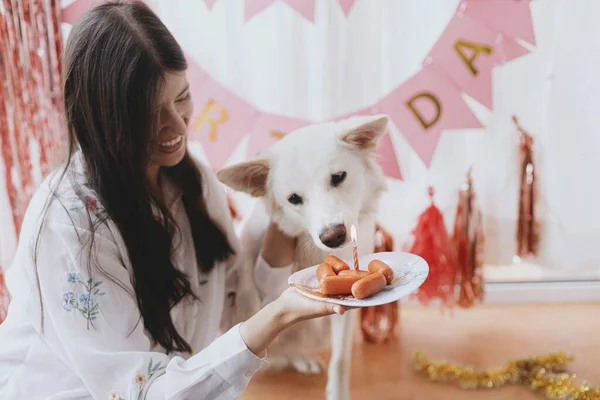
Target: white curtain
[{"x": 284, "y": 64}]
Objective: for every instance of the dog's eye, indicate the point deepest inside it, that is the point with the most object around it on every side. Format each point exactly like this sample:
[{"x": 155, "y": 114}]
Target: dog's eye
[
  {"x": 295, "y": 199},
  {"x": 337, "y": 179}
]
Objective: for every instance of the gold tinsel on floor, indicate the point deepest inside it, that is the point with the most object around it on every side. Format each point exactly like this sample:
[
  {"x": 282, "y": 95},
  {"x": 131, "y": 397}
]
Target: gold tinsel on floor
[{"x": 546, "y": 375}]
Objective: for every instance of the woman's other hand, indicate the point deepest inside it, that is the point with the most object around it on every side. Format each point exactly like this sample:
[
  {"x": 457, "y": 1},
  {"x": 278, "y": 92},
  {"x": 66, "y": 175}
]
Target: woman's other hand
[{"x": 278, "y": 248}]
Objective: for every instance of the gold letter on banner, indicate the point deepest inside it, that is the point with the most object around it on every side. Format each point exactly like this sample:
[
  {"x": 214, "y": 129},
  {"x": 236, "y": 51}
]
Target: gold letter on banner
[
  {"x": 204, "y": 117},
  {"x": 426, "y": 125},
  {"x": 277, "y": 134},
  {"x": 477, "y": 48}
]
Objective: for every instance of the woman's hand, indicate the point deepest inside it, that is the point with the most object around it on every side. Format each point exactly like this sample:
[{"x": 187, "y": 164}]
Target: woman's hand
[
  {"x": 278, "y": 248},
  {"x": 263, "y": 327},
  {"x": 296, "y": 308}
]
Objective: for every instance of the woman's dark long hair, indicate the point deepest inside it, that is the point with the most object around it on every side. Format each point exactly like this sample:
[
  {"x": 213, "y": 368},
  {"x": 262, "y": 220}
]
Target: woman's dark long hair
[{"x": 116, "y": 59}]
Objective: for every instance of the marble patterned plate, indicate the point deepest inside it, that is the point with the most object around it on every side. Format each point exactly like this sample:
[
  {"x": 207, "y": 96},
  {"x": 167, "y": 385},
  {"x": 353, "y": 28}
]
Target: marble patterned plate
[{"x": 410, "y": 271}]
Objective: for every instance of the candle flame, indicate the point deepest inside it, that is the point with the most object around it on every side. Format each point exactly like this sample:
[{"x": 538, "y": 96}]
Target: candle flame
[{"x": 353, "y": 233}]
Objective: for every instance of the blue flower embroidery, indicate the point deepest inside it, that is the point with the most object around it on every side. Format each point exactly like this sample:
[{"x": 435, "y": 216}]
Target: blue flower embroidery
[
  {"x": 72, "y": 277},
  {"x": 87, "y": 306},
  {"x": 84, "y": 299},
  {"x": 68, "y": 301}
]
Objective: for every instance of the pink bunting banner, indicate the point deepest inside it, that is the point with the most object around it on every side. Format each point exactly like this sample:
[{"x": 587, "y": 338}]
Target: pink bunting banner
[
  {"x": 268, "y": 129},
  {"x": 251, "y": 8},
  {"x": 210, "y": 4},
  {"x": 510, "y": 17},
  {"x": 476, "y": 82},
  {"x": 220, "y": 118},
  {"x": 346, "y": 6},
  {"x": 73, "y": 11},
  {"x": 471, "y": 39},
  {"x": 481, "y": 35},
  {"x": 306, "y": 8},
  {"x": 386, "y": 157},
  {"x": 423, "y": 107}
]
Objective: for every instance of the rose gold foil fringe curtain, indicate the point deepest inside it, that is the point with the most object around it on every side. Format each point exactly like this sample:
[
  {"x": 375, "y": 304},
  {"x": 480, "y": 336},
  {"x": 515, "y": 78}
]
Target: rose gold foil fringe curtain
[
  {"x": 30, "y": 66},
  {"x": 31, "y": 122}
]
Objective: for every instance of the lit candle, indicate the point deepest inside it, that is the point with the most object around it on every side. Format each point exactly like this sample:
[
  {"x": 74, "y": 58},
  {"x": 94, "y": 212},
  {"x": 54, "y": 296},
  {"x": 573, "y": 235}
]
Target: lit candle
[{"x": 354, "y": 247}]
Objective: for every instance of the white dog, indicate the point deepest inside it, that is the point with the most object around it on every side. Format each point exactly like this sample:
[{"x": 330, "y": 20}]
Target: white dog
[{"x": 314, "y": 184}]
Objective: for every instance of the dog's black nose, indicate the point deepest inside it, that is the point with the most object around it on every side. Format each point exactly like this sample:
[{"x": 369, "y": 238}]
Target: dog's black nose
[{"x": 334, "y": 236}]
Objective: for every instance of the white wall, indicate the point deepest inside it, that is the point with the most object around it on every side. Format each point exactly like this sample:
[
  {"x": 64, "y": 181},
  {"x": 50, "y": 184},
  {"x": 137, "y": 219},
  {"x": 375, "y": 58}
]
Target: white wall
[{"x": 284, "y": 64}]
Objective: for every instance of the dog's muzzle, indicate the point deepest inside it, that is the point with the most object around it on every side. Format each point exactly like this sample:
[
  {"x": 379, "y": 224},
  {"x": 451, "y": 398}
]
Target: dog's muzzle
[{"x": 334, "y": 236}]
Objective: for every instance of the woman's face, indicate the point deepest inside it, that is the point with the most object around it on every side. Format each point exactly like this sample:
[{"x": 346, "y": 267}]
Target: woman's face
[{"x": 175, "y": 110}]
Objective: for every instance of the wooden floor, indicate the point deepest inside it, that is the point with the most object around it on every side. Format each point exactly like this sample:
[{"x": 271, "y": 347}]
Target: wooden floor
[{"x": 483, "y": 337}]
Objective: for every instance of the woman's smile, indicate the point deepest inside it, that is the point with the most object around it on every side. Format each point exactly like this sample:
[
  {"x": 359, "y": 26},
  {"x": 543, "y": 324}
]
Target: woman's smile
[{"x": 171, "y": 146}]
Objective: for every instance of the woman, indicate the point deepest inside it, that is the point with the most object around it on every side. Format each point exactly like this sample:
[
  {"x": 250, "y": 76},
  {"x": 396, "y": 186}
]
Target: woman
[{"x": 127, "y": 259}]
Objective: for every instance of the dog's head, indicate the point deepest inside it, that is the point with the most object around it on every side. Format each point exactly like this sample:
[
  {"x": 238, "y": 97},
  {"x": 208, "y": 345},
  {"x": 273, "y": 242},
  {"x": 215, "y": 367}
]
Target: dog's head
[{"x": 317, "y": 180}]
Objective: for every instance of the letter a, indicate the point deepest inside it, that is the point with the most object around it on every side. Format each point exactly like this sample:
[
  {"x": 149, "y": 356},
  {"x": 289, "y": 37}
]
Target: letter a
[{"x": 477, "y": 48}]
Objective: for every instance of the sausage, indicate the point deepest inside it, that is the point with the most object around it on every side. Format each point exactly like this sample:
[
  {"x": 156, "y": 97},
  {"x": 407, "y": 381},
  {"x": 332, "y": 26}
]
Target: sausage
[
  {"x": 331, "y": 285},
  {"x": 368, "y": 286},
  {"x": 359, "y": 274},
  {"x": 383, "y": 268},
  {"x": 324, "y": 270},
  {"x": 337, "y": 264}
]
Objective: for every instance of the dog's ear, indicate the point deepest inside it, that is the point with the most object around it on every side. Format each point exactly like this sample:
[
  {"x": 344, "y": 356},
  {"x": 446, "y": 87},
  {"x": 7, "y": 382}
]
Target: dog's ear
[
  {"x": 249, "y": 177},
  {"x": 365, "y": 136}
]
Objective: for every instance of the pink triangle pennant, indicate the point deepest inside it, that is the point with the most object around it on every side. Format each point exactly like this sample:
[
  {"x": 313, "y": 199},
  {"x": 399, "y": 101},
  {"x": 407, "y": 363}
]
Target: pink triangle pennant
[
  {"x": 363, "y": 112},
  {"x": 512, "y": 49},
  {"x": 73, "y": 11},
  {"x": 346, "y": 6},
  {"x": 270, "y": 128},
  {"x": 469, "y": 36},
  {"x": 210, "y": 4},
  {"x": 253, "y": 7},
  {"x": 511, "y": 17},
  {"x": 220, "y": 118},
  {"x": 423, "y": 107},
  {"x": 477, "y": 85},
  {"x": 387, "y": 158},
  {"x": 306, "y": 8}
]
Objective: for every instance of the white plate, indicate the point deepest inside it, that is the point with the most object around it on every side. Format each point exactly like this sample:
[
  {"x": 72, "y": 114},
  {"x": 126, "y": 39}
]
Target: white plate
[{"x": 410, "y": 271}]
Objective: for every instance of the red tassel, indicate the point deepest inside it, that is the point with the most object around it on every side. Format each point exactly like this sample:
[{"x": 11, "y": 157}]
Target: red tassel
[
  {"x": 379, "y": 323},
  {"x": 527, "y": 226},
  {"x": 468, "y": 240},
  {"x": 431, "y": 242}
]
